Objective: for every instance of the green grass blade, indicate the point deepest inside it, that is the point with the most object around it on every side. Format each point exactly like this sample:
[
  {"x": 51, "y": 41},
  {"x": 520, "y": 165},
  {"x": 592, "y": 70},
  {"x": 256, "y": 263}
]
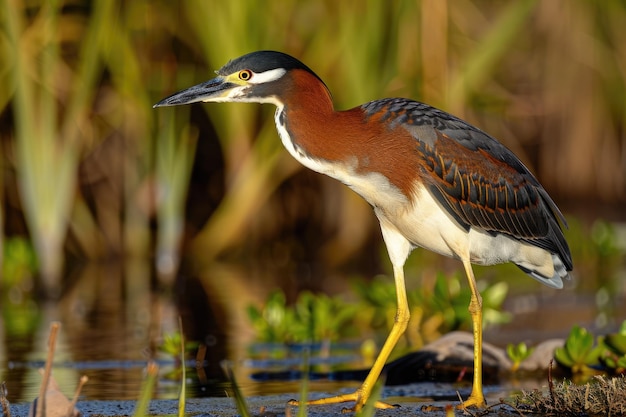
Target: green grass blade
[
  {"x": 143, "y": 404},
  {"x": 304, "y": 383},
  {"x": 240, "y": 401},
  {"x": 182, "y": 398},
  {"x": 23, "y": 99},
  {"x": 369, "y": 409},
  {"x": 481, "y": 64}
]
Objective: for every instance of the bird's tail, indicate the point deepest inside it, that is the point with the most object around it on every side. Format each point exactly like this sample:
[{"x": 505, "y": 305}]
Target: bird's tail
[{"x": 556, "y": 280}]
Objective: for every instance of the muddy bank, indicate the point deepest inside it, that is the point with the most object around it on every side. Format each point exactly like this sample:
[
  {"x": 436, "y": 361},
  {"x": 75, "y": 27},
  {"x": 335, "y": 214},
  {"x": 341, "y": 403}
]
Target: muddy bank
[{"x": 411, "y": 399}]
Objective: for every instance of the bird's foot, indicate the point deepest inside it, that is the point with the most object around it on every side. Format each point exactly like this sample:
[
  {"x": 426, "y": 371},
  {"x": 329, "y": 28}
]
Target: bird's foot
[
  {"x": 356, "y": 397},
  {"x": 474, "y": 400}
]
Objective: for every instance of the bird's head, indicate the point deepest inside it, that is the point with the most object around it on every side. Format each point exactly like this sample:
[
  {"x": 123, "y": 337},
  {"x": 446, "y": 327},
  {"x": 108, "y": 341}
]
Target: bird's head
[{"x": 258, "y": 77}]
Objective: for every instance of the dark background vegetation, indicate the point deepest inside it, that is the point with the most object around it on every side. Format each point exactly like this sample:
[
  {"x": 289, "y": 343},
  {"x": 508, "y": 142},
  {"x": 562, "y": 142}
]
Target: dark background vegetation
[
  {"x": 91, "y": 175},
  {"x": 90, "y": 171}
]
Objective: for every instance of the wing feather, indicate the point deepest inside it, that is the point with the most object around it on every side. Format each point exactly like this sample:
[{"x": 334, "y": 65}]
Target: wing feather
[{"x": 477, "y": 179}]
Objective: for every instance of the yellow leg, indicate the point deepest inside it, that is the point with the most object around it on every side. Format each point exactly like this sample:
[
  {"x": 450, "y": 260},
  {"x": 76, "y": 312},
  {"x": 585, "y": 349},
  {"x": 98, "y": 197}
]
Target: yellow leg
[
  {"x": 476, "y": 398},
  {"x": 361, "y": 395}
]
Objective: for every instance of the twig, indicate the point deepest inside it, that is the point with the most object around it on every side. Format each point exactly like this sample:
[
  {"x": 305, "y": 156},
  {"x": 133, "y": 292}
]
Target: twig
[
  {"x": 463, "y": 407},
  {"x": 200, "y": 356},
  {"x": 503, "y": 402},
  {"x": 83, "y": 380},
  {"x": 52, "y": 340},
  {"x": 551, "y": 384}
]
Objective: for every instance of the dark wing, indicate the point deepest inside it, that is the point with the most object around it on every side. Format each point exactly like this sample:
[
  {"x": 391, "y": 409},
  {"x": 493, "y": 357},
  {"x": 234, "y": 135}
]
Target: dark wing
[{"x": 481, "y": 182}]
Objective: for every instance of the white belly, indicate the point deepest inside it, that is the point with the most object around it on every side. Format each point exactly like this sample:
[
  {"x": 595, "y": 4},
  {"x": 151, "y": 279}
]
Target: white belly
[{"x": 427, "y": 224}]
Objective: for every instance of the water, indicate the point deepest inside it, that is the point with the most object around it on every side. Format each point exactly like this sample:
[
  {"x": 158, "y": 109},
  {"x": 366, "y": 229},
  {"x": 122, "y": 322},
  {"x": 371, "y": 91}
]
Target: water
[{"x": 112, "y": 326}]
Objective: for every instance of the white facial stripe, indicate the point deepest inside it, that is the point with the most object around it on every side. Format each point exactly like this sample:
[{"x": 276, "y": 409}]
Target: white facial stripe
[
  {"x": 238, "y": 95},
  {"x": 225, "y": 97},
  {"x": 267, "y": 76}
]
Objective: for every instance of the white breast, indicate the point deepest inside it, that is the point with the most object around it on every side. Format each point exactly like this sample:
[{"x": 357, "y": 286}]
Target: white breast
[{"x": 374, "y": 187}]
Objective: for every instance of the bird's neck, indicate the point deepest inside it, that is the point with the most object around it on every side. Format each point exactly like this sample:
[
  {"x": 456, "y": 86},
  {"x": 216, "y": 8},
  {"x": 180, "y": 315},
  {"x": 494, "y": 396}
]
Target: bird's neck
[
  {"x": 305, "y": 120},
  {"x": 346, "y": 145},
  {"x": 342, "y": 146}
]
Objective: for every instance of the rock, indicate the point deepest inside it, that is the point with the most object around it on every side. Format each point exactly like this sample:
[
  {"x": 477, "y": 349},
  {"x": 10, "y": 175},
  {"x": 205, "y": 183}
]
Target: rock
[
  {"x": 57, "y": 404},
  {"x": 448, "y": 359},
  {"x": 541, "y": 356}
]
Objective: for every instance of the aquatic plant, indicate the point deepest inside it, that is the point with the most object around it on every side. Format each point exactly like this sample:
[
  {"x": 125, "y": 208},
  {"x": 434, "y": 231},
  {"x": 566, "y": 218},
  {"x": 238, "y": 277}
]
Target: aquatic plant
[
  {"x": 518, "y": 353},
  {"x": 320, "y": 318},
  {"x": 312, "y": 318},
  {"x": 579, "y": 353},
  {"x": 614, "y": 356}
]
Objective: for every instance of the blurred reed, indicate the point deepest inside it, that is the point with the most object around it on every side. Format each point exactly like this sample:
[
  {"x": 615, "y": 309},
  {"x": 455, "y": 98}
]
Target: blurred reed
[
  {"x": 175, "y": 147},
  {"x": 90, "y": 156},
  {"x": 46, "y": 163}
]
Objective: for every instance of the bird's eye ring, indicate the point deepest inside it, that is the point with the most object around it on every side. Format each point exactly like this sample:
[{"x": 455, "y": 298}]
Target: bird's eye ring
[{"x": 245, "y": 75}]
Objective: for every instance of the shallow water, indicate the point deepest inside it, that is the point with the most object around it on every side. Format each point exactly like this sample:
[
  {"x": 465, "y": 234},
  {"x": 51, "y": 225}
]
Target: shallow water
[{"x": 112, "y": 326}]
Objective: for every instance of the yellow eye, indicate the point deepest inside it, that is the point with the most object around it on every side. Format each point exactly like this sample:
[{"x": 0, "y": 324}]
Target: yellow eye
[{"x": 245, "y": 75}]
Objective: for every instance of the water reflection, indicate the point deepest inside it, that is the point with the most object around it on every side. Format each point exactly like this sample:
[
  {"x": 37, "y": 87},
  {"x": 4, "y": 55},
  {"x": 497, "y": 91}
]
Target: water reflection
[
  {"x": 109, "y": 314},
  {"x": 113, "y": 321}
]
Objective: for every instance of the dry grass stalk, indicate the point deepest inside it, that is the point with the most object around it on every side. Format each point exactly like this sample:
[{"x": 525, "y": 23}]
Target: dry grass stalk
[
  {"x": 72, "y": 407},
  {"x": 52, "y": 341},
  {"x": 4, "y": 403},
  {"x": 601, "y": 396},
  {"x": 51, "y": 402}
]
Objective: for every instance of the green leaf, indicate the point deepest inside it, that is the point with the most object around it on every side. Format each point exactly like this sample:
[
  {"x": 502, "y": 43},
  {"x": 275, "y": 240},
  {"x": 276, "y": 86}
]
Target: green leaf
[
  {"x": 562, "y": 357},
  {"x": 579, "y": 352},
  {"x": 579, "y": 344},
  {"x": 616, "y": 342},
  {"x": 495, "y": 294}
]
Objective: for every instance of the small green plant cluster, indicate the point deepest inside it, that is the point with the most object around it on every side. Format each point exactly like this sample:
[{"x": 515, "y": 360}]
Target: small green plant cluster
[
  {"x": 583, "y": 356},
  {"x": 614, "y": 356},
  {"x": 320, "y": 318},
  {"x": 579, "y": 353},
  {"x": 313, "y": 318},
  {"x": 451, "y": 299},
  {"x": 173, "y": 343},
  {"x": 18, "y": 309},
  {"x": 19, "y": 263},
  {"x": 518, "y": 354},
  {"x": 436, "y": 309}
]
